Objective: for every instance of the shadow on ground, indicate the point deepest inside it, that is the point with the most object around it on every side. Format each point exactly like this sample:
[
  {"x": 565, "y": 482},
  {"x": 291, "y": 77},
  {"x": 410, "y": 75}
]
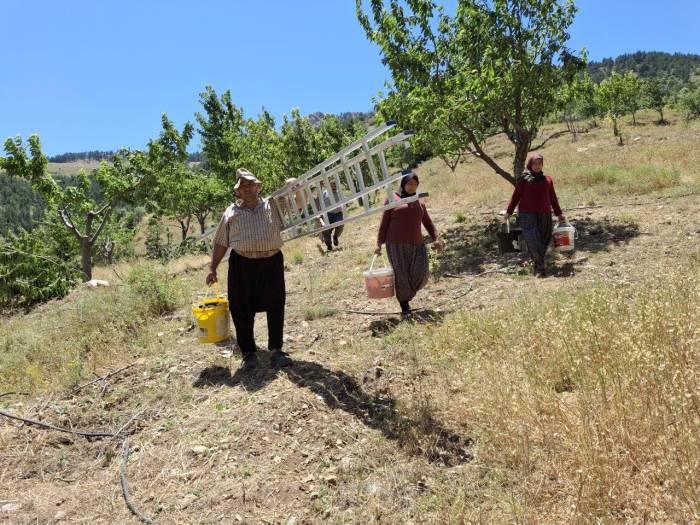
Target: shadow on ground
[
  {"x": 473, "y": 248},
  {"x": 419, "y": 435},
  {"x": 596, "y": 235},
  {"x": 382, "y": 327}
]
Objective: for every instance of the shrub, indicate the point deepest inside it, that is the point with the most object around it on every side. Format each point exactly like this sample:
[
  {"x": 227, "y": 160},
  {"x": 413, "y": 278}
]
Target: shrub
[
  {"x": 318, "y": 311},
  {"x": 159, "y": 291},
  {"x": 688, "y": 102},
  {"x": 31, "y": 270}
]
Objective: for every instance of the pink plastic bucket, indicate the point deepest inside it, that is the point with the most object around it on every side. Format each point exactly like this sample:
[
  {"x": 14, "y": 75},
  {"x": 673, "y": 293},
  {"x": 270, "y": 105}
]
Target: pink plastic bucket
[{"x": 379, "y": 282}]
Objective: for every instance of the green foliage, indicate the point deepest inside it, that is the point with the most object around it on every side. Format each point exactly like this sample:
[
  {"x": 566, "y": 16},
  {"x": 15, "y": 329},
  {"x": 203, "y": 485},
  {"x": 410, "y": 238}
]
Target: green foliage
[
  {"x": 493, "y": 67},
  {"x": 155, "y": 247},
  {"x": 82, "y": 212},
  {"x": 117, "y": 240},
  {"x": 577, "y": 99},
  {"x": 159, "y": 291},
  {"x": 688, "y": 102},
  {"x": 612, "y": 99},
  {"x": 230, "y": 141},
  {"x": 655, "y": 95},
  {"x": 633, "y": 94},
  {"x": 36, "y": 266},
  {"x": 20, "y": 206},
  {"x": 82, "y": 155}
]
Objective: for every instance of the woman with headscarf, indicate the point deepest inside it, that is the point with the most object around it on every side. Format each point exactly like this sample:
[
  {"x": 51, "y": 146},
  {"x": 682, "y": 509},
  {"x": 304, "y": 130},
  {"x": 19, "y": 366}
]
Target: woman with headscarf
[
  {"x": 536, "y": 198},
  {"x": 400, "y": 230}
]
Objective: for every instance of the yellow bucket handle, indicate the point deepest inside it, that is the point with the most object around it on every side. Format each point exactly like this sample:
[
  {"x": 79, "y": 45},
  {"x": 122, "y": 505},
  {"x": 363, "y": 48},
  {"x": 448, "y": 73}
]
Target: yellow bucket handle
[{"x": 213, "y": 289}]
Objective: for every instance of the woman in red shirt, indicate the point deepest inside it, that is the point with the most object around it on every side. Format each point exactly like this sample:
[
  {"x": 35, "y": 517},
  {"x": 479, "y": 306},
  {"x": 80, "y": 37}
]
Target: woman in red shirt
[
  {"x": 400, "y": 229},
  {"x": 537, "y": 198}
]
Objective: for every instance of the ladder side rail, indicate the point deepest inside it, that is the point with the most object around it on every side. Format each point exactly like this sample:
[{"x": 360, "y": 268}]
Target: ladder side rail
[
  {"x": 361, "y": 179},
  {"x": 368, "y": 137},
  {"x": 371, "y": 135},
  {"x": 344, "y": 202},
  {"x": 366, "y": 155},
  {"x": 372, "y": 211},
  {"x": 370, "y": 162},
  {"x": 385, "y": 170}
]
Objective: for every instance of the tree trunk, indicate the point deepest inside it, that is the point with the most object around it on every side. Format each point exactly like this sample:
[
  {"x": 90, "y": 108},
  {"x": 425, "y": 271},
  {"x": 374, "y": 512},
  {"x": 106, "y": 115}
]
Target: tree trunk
[
  {"x": 634, "y": 119},
  {"x": 521, "y": 150},
  {"x": 86, "y": 257},
  {"x": 661, "y": 111},
  {"x": 184, "y": 227},
  {"x": 109, "y": 251},
  {"x": 202, "y": 220},
  {"x": 616, "y": 132}
]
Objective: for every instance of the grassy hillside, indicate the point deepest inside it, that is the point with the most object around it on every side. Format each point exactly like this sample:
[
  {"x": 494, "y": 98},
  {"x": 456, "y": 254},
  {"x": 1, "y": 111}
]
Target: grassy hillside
[{"x": 508, "y": 399}]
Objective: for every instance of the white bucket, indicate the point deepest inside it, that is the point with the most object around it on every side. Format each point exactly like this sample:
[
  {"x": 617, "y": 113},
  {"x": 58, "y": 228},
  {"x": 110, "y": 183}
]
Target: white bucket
[
  {"x": 564, "y": 238},
  {"x": 379, "y": 282}
]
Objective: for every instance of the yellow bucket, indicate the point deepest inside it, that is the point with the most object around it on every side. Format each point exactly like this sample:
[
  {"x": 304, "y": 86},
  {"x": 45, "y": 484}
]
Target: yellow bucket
[{"x": 212, "y": 317}]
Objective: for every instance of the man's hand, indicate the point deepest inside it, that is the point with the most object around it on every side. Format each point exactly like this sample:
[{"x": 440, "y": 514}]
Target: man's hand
[
  {"x": 439, "y": 245},
  {"x": 562, "y": 219},
  {"x": 378, "y": 250},
  {"x": 211, "y": 278}
]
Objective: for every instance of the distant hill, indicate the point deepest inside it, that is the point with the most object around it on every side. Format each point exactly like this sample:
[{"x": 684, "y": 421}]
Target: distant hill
[
  {"x": 362, "y": 116},
  {"x": 646, "y": 64},
  {"x": 96, "y": 156}
]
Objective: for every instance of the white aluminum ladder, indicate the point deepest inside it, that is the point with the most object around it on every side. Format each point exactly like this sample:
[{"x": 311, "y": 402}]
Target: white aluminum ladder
[
  {"x": 301, "y": 204},
  {"x": 363, "y": 169}
]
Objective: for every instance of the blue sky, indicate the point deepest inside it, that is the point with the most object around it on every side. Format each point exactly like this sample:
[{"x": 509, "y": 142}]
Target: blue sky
[{"x": 98, "y": 74}]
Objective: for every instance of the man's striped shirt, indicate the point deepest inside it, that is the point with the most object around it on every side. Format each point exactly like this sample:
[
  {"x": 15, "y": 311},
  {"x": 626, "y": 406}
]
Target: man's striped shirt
[{"x": 250, "y": 230}]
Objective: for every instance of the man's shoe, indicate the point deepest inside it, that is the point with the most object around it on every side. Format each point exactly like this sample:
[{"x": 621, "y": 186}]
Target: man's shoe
[
  {"x": 329, "y": 247},
  {"x": 250, "y": 362},
  {"x": 279, "y": 359},
  {"x": 335, "y": 241}
]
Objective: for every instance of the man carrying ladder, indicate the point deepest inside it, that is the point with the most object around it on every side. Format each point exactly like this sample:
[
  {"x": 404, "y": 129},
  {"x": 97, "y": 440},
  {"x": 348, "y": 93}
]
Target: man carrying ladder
[
  {"x": 251, "y": 228},
  {"x": 255, "y": 228}
]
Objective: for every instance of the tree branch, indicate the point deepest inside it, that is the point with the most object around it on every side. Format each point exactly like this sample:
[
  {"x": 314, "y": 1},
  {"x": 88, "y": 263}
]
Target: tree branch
[
  {"x": 102, "y": 378},
  {"x": 552, "y": 136},
  {"x": 102, "y": 209},
  {"x": 482, "y": 155},
  {"x": 68, "y": 222},
  {"x": 101, "y": 226},
  {"x": 52, "y": 427}
]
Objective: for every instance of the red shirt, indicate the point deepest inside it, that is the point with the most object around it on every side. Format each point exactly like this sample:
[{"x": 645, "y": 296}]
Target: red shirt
[
  {"x": 535, "y": 197},
  {"x": 402, "y": 224}
]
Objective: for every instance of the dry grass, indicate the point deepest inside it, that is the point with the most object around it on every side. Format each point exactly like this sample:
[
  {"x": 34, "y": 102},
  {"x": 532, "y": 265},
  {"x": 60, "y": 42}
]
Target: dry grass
[{"x": 592, "y": 406}]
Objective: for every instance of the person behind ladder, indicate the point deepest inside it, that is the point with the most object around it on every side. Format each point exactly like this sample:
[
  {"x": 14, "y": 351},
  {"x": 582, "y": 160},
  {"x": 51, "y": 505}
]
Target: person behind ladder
[
  {"x": 400, "y": 230},
  {"x": 537, "y": 198},
  {"x": 251, "y": 228},
  {"x": 334, "y": 215}
]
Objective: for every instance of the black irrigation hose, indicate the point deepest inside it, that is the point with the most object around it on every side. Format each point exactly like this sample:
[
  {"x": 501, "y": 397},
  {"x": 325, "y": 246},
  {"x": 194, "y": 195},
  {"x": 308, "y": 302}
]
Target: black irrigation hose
[
  {"x": 125, "y": 486},
  {"x": 422, "y": 308}
]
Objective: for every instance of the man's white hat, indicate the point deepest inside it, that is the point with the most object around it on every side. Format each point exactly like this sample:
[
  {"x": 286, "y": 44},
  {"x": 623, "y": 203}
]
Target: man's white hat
[{"x": 242, "y": 173}]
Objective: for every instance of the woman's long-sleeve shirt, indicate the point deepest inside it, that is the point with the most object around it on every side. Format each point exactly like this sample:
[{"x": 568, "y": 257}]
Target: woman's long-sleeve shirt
[
  {"x": 535, "y": 197},
  {"x": 403, "y": 223}
]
